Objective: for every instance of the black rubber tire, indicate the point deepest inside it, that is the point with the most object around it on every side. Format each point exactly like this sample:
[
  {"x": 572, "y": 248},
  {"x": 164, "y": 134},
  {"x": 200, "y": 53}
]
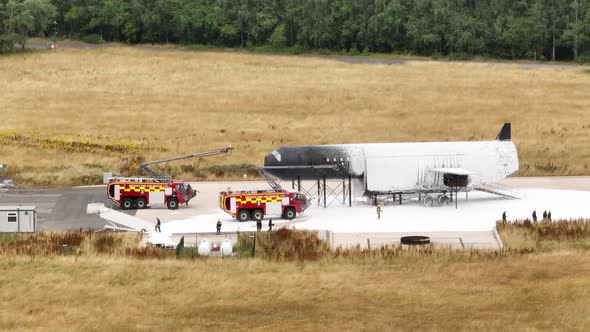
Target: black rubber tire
[
  {"x": 127, "y": 203},
  {"x": 140, "y": 203},
  {"x": 243, "y": 215},
  {"x": 444, "y": 200},
  {"x": 257, "y": 213},
  {"x": 172, "y": 203},
  {"x": 415, "y": 240},
  {"x": 428, "y": 201},
  {"x": 290, "y": 213}
]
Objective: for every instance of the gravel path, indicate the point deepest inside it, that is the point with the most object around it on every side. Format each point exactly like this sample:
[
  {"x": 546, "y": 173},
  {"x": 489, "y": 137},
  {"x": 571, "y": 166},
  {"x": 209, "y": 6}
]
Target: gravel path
[{"x": 342, "y": 58}]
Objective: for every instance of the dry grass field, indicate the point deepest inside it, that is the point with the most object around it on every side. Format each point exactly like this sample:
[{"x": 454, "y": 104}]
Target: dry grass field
[
  {"x": 69, "y": 115},
  {"x": 548, "y": 291},
  {"x": 101, "y": 282}
]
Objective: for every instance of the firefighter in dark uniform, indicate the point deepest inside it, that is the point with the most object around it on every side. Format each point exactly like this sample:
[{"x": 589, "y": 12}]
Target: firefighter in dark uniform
[
  {"x": 549, "y": 215},
  {"x": 270, "y": 224},
  {"x": 258, "y": 224},
  {"x": 158, "y": 223},
  {"x": 534, "y": 215},
  {"x": 544, "y": 214},
  {"x": 218, "y": 226},
  {"x": 504, "y": 216}
]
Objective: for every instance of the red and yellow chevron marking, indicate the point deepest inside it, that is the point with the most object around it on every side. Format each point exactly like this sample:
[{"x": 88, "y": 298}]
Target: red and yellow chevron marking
[
  {"x": 261, "y": 199},
  {"x": 146, "y": 189}
]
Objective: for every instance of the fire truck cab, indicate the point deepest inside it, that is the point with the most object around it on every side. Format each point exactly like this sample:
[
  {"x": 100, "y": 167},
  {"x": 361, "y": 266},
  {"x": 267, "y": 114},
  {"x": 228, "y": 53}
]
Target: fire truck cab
[
  {"x": 139, "y": 193},
  {"x": 253, "y": 205}
]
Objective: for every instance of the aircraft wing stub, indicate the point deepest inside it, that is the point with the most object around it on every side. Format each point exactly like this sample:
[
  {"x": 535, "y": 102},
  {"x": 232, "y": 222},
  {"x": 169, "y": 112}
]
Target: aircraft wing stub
[{"x": 455, "y": 171}]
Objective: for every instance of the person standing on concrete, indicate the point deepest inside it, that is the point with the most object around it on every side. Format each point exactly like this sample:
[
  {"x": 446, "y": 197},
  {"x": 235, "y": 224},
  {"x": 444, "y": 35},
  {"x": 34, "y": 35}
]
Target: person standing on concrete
[
  {"x": 535, "y": 215},
  {"x": 158, "y": 223},
  {"x": 379, "y": 210},
  {"x": 504, "y": 216},
  {"x": 258, "y": 224},
  {"x": 270, "y": 224},
  {"x": 218, "y": 226},
  {"x": 544, "y": 214},
  {"x": 549, "y": 215}
]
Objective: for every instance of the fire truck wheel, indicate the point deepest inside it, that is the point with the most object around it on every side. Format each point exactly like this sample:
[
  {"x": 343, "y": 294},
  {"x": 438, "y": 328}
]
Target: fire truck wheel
[
  {"x": 140, "y": 203},
  {"x": 257, "y": 214},
  {"x": 290, "y": 213},
  {"x": 172, "y": 203},
  {"x": 244, "y": 215},
  {"x": 127, "y": 203}
]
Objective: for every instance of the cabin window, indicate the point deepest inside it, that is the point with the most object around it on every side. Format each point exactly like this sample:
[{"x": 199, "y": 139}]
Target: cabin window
[
  {"x": 227, "y": 203},
  {"x": 277, "y": 155},
  {"x": 111, "y": 191},
  {"x": 12, "y": 217},
  {"x": 299, "y": 197}
]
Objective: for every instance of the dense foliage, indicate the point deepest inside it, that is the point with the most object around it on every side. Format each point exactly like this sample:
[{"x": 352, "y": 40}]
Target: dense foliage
[
  {"x": 499, "y": 28},
  {"x": 19, "y": 18}
]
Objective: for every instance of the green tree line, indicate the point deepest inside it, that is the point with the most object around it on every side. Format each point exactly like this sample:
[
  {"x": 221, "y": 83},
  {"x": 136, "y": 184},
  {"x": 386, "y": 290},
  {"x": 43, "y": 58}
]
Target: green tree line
[
  {"x": 19, "y": 19},
  {"x": 549, "y": 29}
]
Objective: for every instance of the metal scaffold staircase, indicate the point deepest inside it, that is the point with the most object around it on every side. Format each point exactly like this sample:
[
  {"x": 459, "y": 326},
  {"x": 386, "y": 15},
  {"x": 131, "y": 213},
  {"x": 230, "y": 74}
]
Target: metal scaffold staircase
[{"x": 500, "y": 190}]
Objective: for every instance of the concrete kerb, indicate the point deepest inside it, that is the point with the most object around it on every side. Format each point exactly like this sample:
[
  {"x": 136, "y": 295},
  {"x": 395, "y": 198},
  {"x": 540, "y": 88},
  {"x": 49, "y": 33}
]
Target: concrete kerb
[{"x": 497, "y": 237}]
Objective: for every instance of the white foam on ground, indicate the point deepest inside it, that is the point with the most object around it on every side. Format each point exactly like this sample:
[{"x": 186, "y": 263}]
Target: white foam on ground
[
  {"x": 479, "y": 213},
  {"x": 120, "y": 220}
]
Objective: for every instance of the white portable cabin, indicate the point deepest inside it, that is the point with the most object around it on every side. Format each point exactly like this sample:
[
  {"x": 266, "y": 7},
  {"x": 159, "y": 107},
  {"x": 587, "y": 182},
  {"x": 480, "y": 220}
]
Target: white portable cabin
[{"x": 18, "y": 219}]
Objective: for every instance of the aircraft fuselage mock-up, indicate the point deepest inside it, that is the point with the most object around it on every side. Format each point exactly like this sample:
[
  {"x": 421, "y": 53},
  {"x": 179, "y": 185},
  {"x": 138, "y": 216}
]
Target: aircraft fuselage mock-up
[{"x": 401, "y": 167}]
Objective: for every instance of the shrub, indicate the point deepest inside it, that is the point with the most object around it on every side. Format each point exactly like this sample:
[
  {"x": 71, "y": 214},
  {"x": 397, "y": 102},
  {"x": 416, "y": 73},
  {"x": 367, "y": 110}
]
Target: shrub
[
  {"x": 105, "y": 243},
  {"x": 87, "y": 180},
  {"x": 353, "y": 51},
  {"x": 549, "y": 230},
  {"x": 7, "y": 43},
  {"x": 131, "y": 165},
  {"x": 93, "y": 39},
  {"x": 290, "y": 245},
  {"x": 236, "y": 170},
  {"x": 436, "y": 56},
  {"x": 188, "y": 253},
  {"x": 33, "y": 244},
  {"x": 298, "y": 49},
  {"x": 278, "y": 39},
  {"x": 460, "y": 56},
  {"x": 149, "y": 252},
  {"x": 244, "y": 243},
  {"x": 73, "y": 238},
  {"x": 545, "y": 235}
]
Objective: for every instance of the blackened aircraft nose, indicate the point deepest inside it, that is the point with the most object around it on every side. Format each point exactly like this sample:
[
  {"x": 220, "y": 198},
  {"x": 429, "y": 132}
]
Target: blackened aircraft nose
[{"x": 308, "y": 162}]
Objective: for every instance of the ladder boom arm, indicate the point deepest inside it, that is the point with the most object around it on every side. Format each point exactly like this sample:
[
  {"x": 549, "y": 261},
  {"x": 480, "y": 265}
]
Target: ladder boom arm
[
  {"x": 273, "y": 184},
  {"x": 145, "y": 166}
]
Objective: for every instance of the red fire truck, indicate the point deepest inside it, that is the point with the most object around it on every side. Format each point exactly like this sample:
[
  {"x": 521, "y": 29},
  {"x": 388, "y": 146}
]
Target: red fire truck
[
  {"x": 140, "y": 192},
  {"x": 252, "y": 205}
]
